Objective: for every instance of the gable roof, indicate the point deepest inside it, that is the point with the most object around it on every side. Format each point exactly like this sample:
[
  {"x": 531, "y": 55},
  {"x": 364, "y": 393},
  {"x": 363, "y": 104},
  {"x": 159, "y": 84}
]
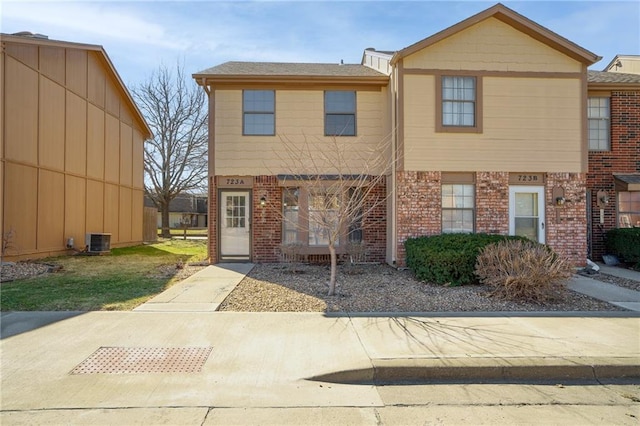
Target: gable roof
[
  {"x": 40, "y": 40},
  {"x": 517, "y": 21},
  {"x": 623, "y": 57},
  {"x": 281, "y": 71}
]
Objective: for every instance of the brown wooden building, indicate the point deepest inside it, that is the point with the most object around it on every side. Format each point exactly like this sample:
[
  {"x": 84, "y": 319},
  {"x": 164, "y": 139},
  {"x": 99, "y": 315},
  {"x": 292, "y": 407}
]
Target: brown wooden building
[{"x": 71, "y": 153}]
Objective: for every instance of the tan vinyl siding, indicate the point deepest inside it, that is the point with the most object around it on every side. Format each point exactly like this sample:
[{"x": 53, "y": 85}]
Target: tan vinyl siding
[
  {"x": 52, "y": 63},
  {"x": 492, "y": 45},
  {"x": 74, "y": 214},
  {"x": 76, "y": 135},
  {"x": 529, "y": 124},
  {"x": 137, "y": 162},
  {"x": 112, "y": 149},
  {"x": 112, "y": 211},
  {"x": 50, "y": 210},
  {"x": 124, "y": 222},
  {"x": 21, "y": 119},
  {"x": 62, "y": 137},
  {"x": 299, "y": 114},
  {"x": 126, "y": 151},
  {"x": 95, "y": 142},
  {"x": 95, "y": 206},
  {"x": 96, "y": 80},
  {"x": 77, "y": 71},
  {"x": 51, "y": 128},
  {"x": 21, "y": 205}
]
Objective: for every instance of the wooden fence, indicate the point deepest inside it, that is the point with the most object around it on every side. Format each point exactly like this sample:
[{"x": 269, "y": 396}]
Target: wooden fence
[{"x": 150, "y": 224}]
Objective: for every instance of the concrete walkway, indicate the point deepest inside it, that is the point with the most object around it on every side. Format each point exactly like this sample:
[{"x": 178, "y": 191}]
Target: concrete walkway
[
  {"x": 616, "y": 295},
  {"x": 201, "y": 292}
]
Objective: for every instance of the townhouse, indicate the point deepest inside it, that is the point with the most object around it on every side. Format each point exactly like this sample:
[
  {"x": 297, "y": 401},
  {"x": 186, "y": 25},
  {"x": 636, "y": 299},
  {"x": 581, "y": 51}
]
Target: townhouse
[{"x": 489, "y": 129}]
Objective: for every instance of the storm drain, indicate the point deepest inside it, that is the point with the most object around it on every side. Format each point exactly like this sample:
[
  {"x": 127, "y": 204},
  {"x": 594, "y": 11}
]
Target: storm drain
[{"x": 123, "y": 360}]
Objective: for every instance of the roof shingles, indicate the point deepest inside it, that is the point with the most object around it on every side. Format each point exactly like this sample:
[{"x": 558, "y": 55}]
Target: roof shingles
[{"x": 273, "y": 69}]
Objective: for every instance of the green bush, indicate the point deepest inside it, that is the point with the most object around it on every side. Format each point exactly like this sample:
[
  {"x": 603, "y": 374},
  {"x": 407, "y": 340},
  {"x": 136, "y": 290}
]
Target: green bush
[
  {"x": 448, "y": 258},
  {"x": 523, "y": 271},
  {"x": 625, "y": 243}
]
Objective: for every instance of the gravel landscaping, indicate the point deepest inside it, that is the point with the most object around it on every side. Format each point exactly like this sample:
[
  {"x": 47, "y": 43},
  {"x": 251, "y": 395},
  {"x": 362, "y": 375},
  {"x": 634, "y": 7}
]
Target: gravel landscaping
[
  {"x": 361, "y": 288},
  {"x": 375, "y": 288}
]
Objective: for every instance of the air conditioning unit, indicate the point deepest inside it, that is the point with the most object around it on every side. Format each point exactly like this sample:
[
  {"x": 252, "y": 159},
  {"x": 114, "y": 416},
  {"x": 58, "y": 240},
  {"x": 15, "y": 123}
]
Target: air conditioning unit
[{"x": 97, "y": 243}]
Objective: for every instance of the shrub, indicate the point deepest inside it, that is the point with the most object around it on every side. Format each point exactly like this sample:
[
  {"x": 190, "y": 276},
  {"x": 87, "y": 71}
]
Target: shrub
[
  {"x": 448, "y": 258},
  {"x": 523, "y": 271},
  {"x": 625, "y": 243}
]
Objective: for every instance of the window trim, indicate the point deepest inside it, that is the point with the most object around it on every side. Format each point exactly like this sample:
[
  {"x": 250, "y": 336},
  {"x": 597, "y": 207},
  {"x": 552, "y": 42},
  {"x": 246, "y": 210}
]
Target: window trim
[
  {"x": 459, "y": 178},
  {"x": 607, "y": 120},
  {"x": 354, "y": 113},
  {"x": 245, "y": 112},
  {"x": 440, "y": 127}
]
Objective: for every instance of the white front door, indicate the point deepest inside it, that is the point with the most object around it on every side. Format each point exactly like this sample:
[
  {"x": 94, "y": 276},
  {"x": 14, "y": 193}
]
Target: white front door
[
  {"x": 526, "y": 212},
  {"x": 235, "y": 225}
]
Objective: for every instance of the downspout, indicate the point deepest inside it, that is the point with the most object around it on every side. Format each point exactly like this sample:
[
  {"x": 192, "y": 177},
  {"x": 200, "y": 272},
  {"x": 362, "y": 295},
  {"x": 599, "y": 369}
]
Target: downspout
[{"x": 394, "y": 165}]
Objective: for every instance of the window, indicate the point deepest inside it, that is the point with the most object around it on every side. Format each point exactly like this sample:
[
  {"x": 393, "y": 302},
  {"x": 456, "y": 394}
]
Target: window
[
  {"x": 309, "y": 214},
  {"x": 290, "y": 212},
  {"x": 340, "y": 113},
  {"x": 458, "y": 203},
  {"x": 355, "y": 224},
  {"x": 598, "y": 112},
  {"x": 459, "y": 101},
  {"x": 628, "y": 209},
  {"x": 258, "y": 107},
  {"x": 323, "y": 213}
]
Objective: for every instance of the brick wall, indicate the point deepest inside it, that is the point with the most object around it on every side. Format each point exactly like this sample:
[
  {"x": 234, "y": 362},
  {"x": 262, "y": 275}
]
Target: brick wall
[
  {"x": 566, "y": 226},
  {"x": 267, "y": 220},
  {"x": 374, "y": 223},
  {"x": 213, "y": 221},
  {"x": 492, "y": 202},
  {"x": 418, "y": 207},
  {"x": 624, "y": 157}
]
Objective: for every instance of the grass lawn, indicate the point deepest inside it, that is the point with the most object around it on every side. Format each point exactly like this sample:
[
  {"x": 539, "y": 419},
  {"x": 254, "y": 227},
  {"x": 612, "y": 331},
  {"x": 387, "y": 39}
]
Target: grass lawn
[{"x": 120, "y": 281}]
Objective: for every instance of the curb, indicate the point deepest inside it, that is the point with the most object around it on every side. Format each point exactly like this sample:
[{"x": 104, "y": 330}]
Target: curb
[{"x": 479, "y": 370}]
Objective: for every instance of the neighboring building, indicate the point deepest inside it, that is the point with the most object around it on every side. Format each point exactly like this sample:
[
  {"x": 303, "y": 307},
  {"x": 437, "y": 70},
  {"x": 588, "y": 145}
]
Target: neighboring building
[
  {"x": 613, "y": 180},
  {"x": 189, "y": 208},
  {"x": 489, "y": 126},
  {"x": 627, "y": 64},
  {"x": 71, "y": 149}
]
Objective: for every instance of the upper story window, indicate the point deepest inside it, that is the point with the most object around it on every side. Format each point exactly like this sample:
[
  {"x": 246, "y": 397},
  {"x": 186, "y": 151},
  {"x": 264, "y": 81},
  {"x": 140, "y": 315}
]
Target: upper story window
[
  {"x": 459, "y": 101},
  {"x": 599, "y": 116},
  {"x": 258, "y": 108},
  {"x": 339, "y": 113}
]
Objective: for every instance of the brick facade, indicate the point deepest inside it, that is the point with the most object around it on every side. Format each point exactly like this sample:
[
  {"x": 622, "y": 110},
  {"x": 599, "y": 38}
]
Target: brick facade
[
  {"x": 492, "y": 212},
  {"x": 266, "y": 225},
  {"x": 267, "y": 221},
  {"x": 419, "y": 209},
  {"x": 624, "y": 157},
  {"x": 566, "y": 226}
]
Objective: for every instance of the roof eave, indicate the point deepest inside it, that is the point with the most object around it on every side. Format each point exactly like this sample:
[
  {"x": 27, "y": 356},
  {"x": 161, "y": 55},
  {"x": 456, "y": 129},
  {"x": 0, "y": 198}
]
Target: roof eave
[{"x": 613, "y": 86}]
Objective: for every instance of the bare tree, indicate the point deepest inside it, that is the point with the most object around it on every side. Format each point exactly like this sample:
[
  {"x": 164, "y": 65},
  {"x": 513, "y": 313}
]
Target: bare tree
[
  {"x": 175, "y": 160},
  {"x": 343, "y": 181}
]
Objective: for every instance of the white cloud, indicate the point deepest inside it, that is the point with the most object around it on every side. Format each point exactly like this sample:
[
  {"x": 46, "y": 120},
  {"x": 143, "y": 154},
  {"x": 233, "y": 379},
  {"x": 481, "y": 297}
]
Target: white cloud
[{"x": 86, "y": 22}]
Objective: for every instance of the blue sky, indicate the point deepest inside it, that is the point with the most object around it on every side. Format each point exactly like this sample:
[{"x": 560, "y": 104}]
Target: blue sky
[{"x": 138, "y": 36}]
